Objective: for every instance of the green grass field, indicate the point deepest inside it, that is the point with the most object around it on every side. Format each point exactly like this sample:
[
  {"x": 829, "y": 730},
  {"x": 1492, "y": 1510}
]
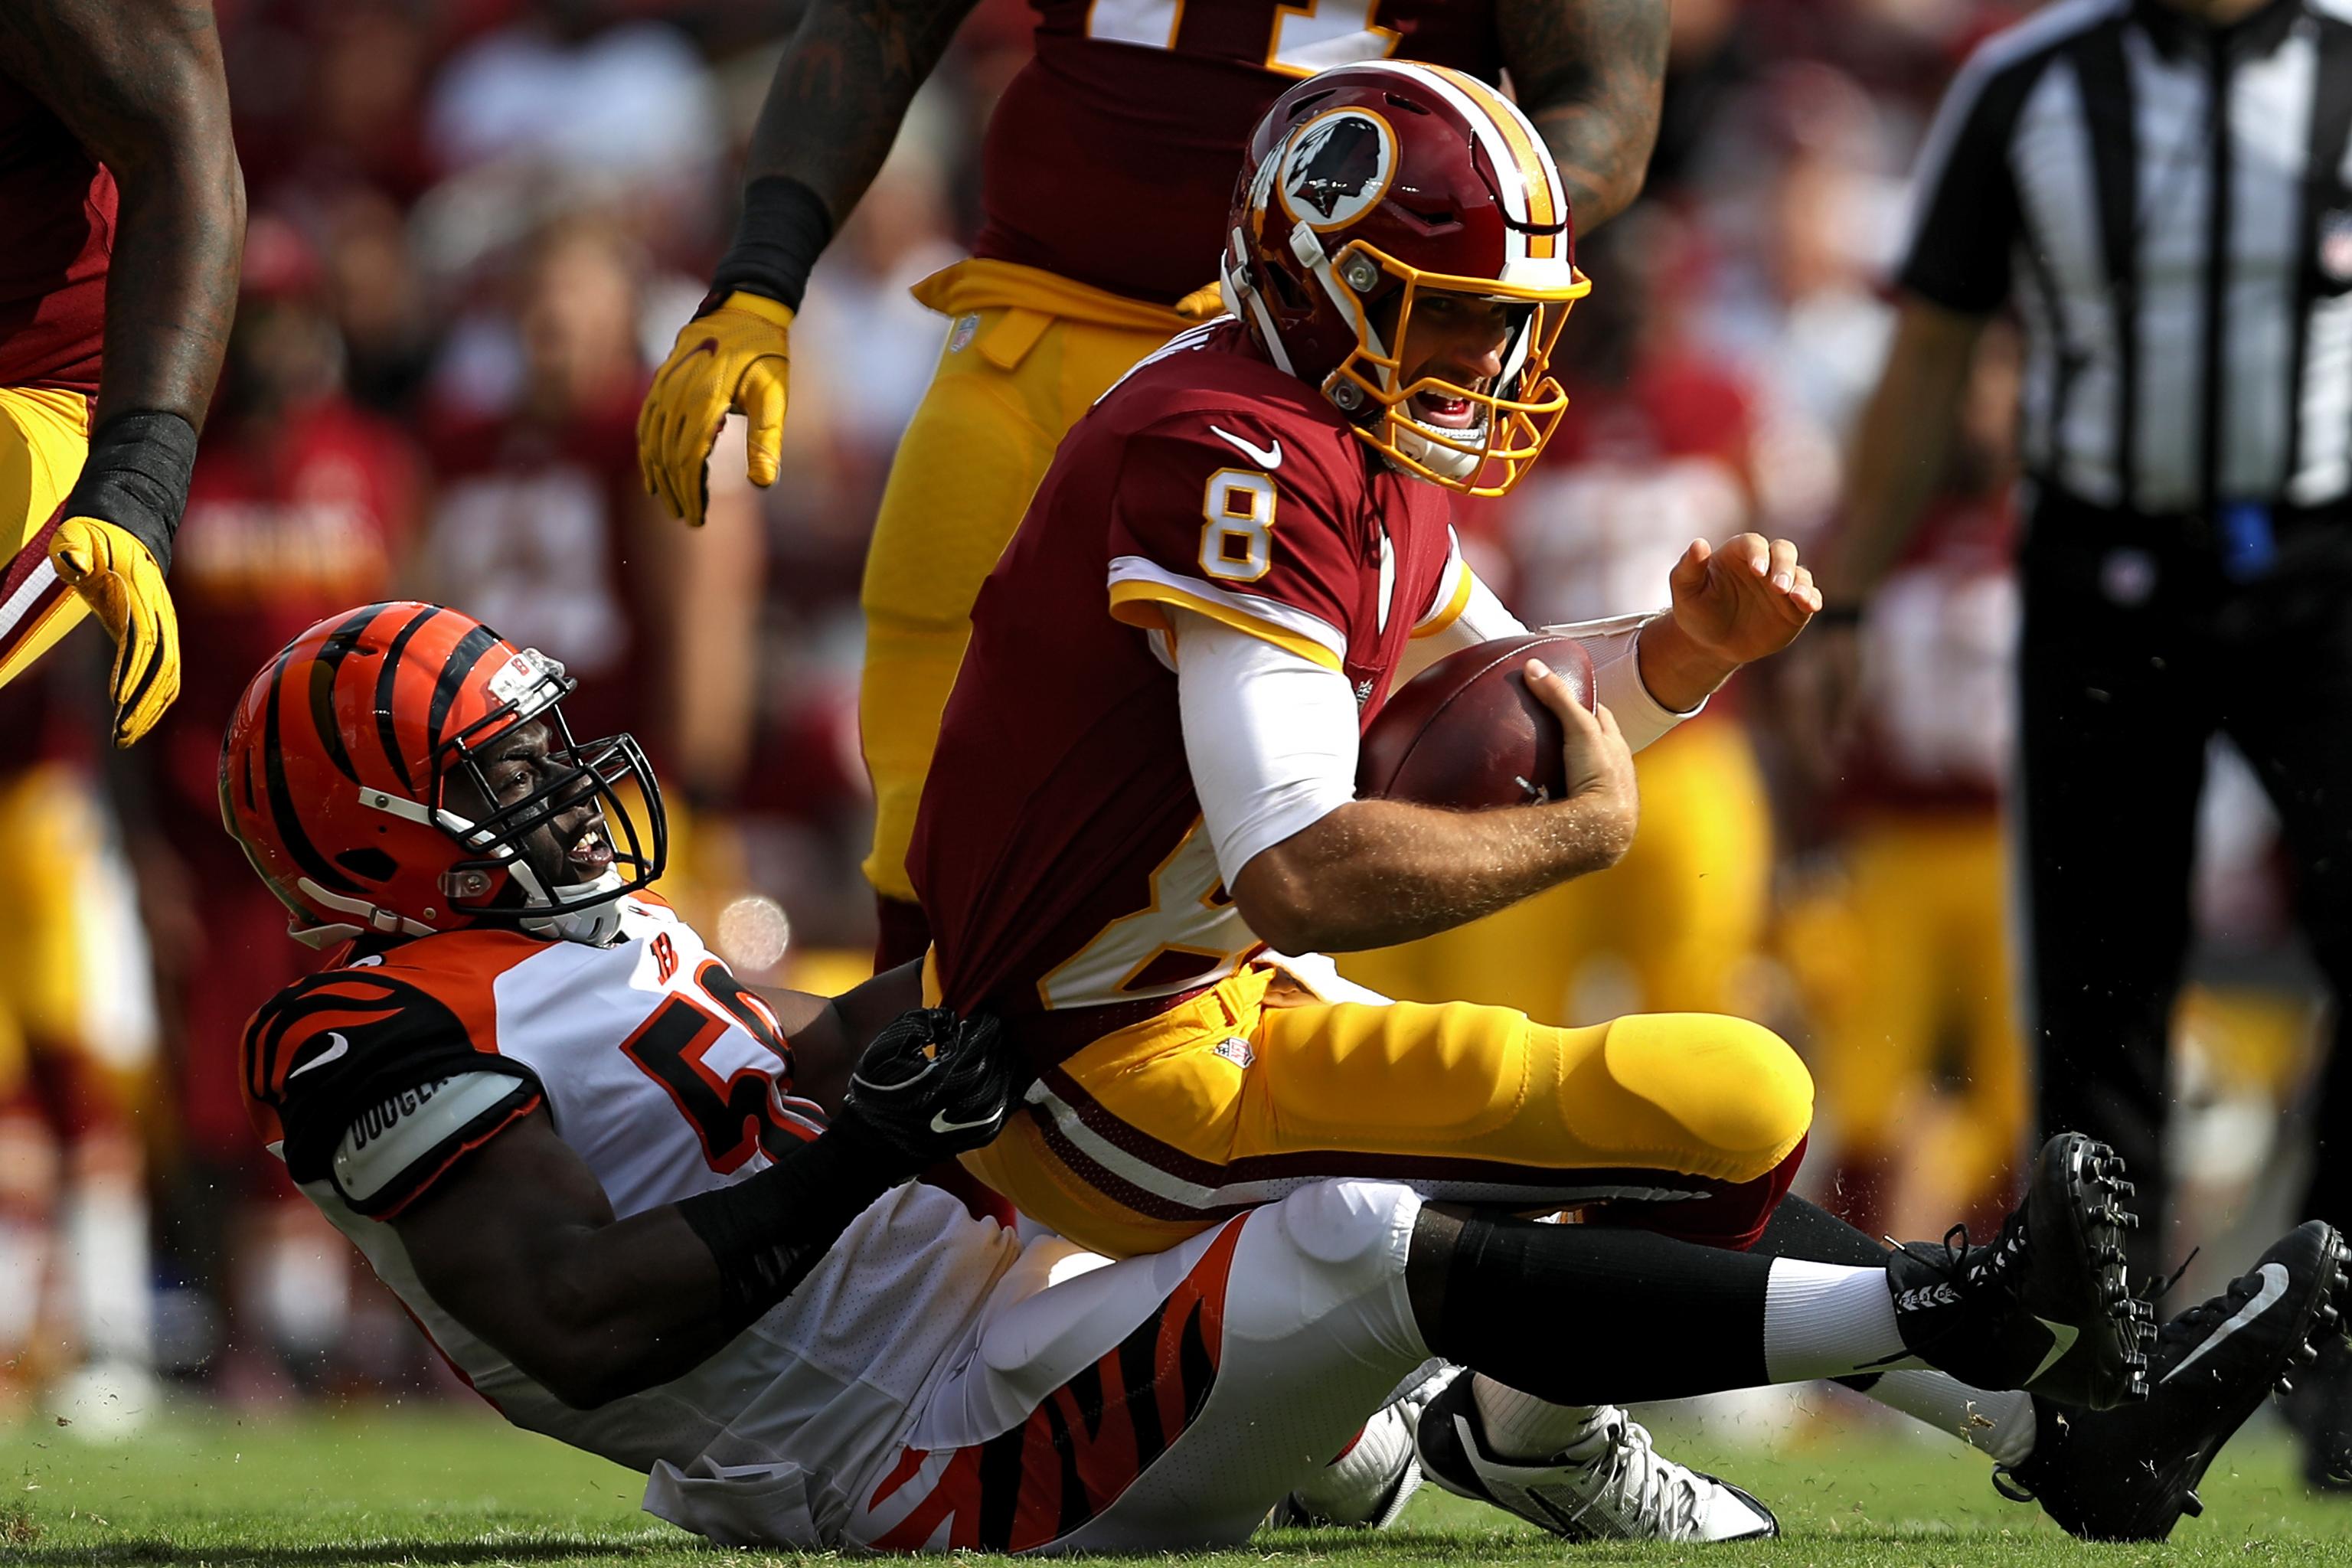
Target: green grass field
[{"x": 450, "y": 1486}]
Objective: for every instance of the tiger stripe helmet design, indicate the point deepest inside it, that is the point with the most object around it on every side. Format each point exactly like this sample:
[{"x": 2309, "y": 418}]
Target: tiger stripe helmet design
[
  {"x": 333, "y": 779},
  {"x": 1383, "y": 182}
]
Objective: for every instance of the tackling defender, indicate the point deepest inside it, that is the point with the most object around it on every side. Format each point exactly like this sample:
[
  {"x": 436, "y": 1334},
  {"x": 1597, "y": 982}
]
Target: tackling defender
[
  {"x": 1104, "y": 182},
  {"x": 581, "y": 1152},
  {"x": 114, "y": 148}
]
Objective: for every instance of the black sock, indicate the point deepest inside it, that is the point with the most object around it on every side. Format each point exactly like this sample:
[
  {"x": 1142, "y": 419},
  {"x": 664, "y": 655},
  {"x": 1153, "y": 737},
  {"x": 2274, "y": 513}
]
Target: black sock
[
  {"x": 1589, "y": 1314},
  {"x": 1808, "y": 1231}
]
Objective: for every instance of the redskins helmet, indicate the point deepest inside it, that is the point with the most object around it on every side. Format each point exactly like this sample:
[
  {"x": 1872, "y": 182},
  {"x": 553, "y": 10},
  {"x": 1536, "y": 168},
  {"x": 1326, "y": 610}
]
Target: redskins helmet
[
  {"x": 1388, "y": 180},
  {"x": 334, "y": 778}
]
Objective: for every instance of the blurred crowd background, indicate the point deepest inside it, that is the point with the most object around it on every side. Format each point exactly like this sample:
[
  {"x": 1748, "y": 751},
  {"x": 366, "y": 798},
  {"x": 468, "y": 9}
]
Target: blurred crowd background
[{"x": 476, "y": 223}]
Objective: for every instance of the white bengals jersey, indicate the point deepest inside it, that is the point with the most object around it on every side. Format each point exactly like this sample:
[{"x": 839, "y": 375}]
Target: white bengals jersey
[{"x": 372, "y": 1078}]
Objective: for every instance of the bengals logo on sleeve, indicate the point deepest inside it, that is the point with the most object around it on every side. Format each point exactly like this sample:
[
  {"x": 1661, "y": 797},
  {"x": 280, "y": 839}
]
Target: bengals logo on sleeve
[{"x": 328, "y": 1052}]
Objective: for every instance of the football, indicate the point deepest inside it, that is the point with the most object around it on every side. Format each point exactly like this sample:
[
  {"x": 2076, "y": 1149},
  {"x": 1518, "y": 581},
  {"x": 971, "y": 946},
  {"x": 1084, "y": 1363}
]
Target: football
[{"x": 1466, "y": 732}]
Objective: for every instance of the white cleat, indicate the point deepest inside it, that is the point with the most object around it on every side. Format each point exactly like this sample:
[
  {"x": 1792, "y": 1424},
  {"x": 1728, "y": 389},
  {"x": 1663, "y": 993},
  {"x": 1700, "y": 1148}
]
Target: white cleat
[{"x": 1611, "y": 1485}]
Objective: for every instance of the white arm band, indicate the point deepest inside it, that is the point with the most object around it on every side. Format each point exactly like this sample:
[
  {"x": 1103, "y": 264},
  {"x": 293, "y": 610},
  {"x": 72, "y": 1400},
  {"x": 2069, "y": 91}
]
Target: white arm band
[
  {"x": 1616, "y": 677},
  {"x": 1270, "y": 736}
]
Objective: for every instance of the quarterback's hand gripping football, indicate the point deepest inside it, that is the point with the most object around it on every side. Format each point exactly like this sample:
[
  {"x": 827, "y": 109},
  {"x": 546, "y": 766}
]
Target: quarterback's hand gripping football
[
  {"x": 120, "y": 580},
  {"x": 734, "y": 358},
  {"x": 934, "y": 1086},
  {"x": 1742, "y": 601}
]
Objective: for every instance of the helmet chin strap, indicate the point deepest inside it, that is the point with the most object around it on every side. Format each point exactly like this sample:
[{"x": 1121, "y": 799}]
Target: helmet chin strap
[
  {"x": 591, "y": 926},
  {"x": 1439, "y": 457}
]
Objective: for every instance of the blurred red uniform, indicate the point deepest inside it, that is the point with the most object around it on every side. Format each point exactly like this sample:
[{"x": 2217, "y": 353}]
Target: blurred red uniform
[
  {"x": 289, "y": 521},
  {"x": 1906, "y": 960},
  {"x": 530, "y": 529}
]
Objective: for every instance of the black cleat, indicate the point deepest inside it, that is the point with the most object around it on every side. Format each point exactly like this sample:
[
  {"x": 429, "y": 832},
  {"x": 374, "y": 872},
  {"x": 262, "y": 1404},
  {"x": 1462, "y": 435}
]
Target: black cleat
[
  {"x": 2045, "y": 1307},
  {"x": 2131, "y": 1474},
  {"x": 2320, "y": 1410}
]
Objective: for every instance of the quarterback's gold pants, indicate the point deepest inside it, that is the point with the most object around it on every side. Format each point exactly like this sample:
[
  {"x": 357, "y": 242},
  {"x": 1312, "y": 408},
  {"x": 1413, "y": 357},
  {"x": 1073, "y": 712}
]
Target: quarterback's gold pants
[
  {"x": 1683, "y": 912},
  {"x": 1914, "y": 957},
  {"x": 1231, "y": 1098},
  {"x": 44, "y": 438},
  {"x": 1028, "y": 354}
]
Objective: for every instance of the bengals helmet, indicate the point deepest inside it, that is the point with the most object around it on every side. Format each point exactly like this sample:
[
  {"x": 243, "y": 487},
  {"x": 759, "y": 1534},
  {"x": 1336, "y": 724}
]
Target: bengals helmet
[
  {"x": 334, "y": 778},
  {"x": 1388, "y": 180}
]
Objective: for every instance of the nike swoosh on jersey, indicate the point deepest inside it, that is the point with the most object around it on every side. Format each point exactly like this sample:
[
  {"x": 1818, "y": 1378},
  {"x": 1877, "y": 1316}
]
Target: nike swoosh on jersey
[
  {"x": 2062, "y": 1340},
  {"x": 2274, "y": 1282},
  {"x": 1264, "y": 456},
  {"x": 336, "y": 1045},
  {"x": 940, "y": 1122}
]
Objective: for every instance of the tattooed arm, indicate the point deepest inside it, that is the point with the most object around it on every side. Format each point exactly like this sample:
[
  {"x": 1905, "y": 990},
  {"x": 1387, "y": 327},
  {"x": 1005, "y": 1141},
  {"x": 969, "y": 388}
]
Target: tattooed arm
[
  {"x": 1590, "y": 74},
  {"x": 843, "y": 86},
  {"x": 139, "y": 83}
]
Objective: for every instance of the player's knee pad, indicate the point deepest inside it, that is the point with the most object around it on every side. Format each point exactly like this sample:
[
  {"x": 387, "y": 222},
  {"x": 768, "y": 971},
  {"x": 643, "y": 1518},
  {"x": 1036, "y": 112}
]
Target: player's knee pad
[
  {"x": 1332, "y": 1251},
  {"x": 1735, "y": 1087},
  {"x": 1328, "y": 1261},
  {"x": 1345, "y": 1224}
]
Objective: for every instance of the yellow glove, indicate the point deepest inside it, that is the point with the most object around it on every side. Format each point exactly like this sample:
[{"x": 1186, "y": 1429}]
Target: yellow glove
[
  {"x": 120, "y": 581},
  {"x": 735, "y": 358}
]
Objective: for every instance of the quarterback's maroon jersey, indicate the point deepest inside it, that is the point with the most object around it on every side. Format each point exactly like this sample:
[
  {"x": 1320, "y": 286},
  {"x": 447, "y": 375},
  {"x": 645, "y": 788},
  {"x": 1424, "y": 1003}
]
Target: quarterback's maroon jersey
[
  {"x": 1110, "y": 158},
  {"x": 1059, "y": 854},
  {"x": 59, "y": 207}
]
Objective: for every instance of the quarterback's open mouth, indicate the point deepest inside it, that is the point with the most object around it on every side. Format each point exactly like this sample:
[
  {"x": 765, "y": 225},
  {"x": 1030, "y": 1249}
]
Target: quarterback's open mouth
[
  {"x": 591, "y": 852},
  {"x": 1444, "y": 413}
]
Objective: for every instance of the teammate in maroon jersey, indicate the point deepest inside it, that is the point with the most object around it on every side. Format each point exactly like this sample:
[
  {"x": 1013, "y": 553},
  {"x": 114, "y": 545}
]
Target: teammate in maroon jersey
[
  {"x": 114, "y": 145},
  {"x": 1104, "y": 176}
]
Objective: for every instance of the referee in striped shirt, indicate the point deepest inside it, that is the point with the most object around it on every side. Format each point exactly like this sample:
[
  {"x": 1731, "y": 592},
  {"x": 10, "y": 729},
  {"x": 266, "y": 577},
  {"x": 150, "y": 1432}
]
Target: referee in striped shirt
[{"x": 2162, "y": 190}]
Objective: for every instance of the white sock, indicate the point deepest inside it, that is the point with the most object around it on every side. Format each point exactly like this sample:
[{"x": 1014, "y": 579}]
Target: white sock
[
  {"x": 2000, "y": 1425},
  {"x": 105, "y": 1232},
  {"x": 23, "y": 1272},
  {"x": 1823, "y": 1319},
  {"x": 1521, "y": 1426}
]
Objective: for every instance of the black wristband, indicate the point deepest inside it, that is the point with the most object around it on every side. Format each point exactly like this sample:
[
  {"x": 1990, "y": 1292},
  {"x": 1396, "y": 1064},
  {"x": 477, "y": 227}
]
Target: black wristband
[
  {"x": 136, "y": 478},
  {"x": 1840, "y": 615},
  {"x": 782, "y": 231},
  {"x": 767, "y": 1232}
]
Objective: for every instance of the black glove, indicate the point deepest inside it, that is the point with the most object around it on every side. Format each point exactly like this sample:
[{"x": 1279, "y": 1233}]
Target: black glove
[{"x": 933, "y": 1086}]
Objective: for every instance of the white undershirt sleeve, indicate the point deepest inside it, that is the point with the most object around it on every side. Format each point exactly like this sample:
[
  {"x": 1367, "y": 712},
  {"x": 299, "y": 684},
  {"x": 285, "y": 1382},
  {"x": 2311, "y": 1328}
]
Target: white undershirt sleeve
[{"x": 1270, "y": 736}]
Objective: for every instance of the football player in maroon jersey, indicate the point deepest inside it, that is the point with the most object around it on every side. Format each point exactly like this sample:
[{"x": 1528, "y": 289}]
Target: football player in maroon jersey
[
  {"x": 114, "y": 147},
  {"x": 1104, "y": 176}
]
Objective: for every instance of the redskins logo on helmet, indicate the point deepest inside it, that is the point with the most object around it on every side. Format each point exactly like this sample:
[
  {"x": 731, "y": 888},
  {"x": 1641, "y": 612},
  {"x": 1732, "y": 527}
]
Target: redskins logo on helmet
[
  {"x": 1370, "y": 187},
  {"x": 334, "y": 777}
]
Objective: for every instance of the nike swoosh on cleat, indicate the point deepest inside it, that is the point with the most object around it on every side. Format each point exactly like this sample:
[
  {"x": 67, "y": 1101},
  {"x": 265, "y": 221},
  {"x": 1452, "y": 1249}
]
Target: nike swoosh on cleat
[
  {"x": 2274, "y": 1283},
  {"x": 2062, "y": 1340},
  {"x": 336, "y": 1045},
  {"x": 940, "y": 1123},
  {"x": 1264, "y": 456}
]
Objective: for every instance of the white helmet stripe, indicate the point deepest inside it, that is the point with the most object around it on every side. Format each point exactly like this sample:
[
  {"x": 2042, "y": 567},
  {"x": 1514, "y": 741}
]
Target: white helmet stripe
[{"x": 1514, "y": 150}]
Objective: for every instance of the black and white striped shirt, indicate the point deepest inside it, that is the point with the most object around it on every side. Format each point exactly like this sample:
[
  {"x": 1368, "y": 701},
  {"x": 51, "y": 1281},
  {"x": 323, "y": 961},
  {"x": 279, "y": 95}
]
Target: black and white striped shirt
[{"x": 2185, "y": 274}]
